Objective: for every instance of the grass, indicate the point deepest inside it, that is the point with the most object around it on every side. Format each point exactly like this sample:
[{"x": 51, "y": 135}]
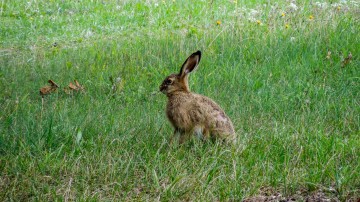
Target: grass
[{"x": 295, "y": 110}]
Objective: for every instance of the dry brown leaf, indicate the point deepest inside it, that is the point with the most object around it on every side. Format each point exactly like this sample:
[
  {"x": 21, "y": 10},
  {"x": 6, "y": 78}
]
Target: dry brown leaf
[
  {"x": 346, "y": 61},
  {"x": 53, "y": 83},
  {"x": 72, "y": 86},
  {"x": 48, "y": 89},
  {"x": 76, "y": 86}
]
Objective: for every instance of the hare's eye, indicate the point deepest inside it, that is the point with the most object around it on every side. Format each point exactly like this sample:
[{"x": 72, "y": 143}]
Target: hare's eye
[{"x": 169, "y": 81}]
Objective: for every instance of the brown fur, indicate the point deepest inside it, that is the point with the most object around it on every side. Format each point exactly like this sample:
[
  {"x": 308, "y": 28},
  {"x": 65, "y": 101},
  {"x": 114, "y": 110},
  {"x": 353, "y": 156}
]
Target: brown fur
[{"x": 191, "y": 113}]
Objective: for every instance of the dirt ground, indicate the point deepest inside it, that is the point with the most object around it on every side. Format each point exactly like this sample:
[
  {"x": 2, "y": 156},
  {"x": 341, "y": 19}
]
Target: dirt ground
[{"x": 270, "y": 195}]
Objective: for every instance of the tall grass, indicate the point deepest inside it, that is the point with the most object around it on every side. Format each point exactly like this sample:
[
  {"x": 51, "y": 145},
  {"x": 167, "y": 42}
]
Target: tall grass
[{"x": 295, "y": 108}]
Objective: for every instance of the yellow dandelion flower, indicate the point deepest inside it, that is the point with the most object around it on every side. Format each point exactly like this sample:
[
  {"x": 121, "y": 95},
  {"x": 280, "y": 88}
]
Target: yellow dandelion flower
[
  {"x": 258, "y": 22},
  {"x": 282, "y": 14},
  {"x": 338, "y": 8},
  {"x": 287, "y": 26},
  {"x": 311, "y": 17},
  {"x": 218, "y": 22}
]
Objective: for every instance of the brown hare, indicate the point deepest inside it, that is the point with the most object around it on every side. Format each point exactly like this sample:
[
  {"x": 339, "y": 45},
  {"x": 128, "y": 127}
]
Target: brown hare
[{"x": 191, "y": 113}]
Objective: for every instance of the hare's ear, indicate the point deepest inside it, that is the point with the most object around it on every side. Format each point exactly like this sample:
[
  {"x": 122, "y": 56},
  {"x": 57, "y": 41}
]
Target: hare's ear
[{"x": 190, "y": 64}]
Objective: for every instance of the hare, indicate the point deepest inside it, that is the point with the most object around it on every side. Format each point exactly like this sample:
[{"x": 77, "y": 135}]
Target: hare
[{"x": 194, "y": 114}]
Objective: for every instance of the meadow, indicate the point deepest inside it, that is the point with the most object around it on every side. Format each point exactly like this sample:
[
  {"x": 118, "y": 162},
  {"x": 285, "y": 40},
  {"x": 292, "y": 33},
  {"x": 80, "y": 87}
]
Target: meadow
[{"x": 287, "y": 73}]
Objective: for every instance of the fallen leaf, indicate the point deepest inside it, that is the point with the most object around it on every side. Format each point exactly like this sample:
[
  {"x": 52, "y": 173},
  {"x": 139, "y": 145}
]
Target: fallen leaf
[
  {"x": 72, "y": 86},
  {"x": 48, "y": 89},
  {"x": 76, "y": 86},
  {"x": 346, "y": 61},
  {"x": 53, "y": 83}
]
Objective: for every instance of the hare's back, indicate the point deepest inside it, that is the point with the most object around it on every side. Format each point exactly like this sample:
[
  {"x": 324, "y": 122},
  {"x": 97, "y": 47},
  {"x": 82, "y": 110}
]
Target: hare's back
[{"x": 214, "y": 115}]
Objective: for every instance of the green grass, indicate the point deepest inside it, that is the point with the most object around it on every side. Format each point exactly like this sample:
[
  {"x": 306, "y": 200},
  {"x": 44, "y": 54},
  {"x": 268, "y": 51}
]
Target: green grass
[{"x": 296, "y": 112}]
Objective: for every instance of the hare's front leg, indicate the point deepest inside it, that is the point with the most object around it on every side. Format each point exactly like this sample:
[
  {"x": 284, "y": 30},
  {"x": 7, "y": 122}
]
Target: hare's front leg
[
  {"x": 177, "y": 132},
  {"x": 180, "y": 134},
  {"x": 184, "y": 136}
]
